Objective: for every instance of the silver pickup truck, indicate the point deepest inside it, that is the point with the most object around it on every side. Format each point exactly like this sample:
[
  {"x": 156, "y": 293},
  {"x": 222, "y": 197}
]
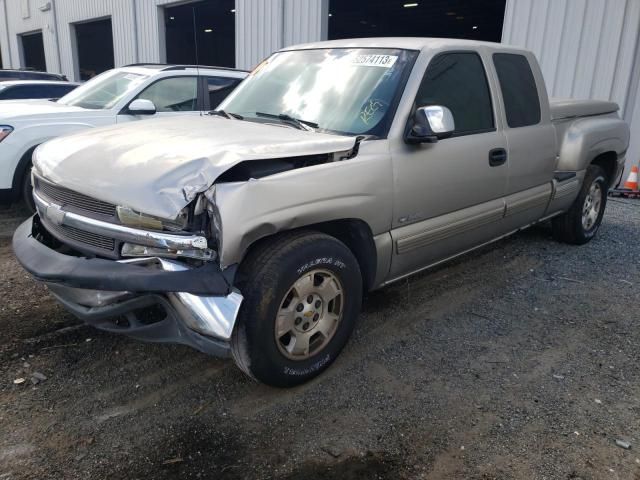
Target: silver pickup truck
[{"x": 334, "y": 169}]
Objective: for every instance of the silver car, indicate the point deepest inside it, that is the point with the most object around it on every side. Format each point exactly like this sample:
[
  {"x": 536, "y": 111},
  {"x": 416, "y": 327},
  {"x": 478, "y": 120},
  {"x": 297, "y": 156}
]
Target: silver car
[{"x": 334, "y": 169}]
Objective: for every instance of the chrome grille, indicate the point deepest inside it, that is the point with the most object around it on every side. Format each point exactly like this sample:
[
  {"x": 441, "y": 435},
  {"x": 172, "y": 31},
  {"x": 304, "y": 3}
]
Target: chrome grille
[
  {"x": 87, "y": 238},
  {"x": 68, "y": 198}
]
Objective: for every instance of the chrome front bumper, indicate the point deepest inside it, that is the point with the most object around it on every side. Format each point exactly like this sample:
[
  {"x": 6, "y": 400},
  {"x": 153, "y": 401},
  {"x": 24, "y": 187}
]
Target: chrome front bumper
[
  {"x": 55, "y": 214},
  {"x": 213, "y": 316},
  {"x": 161, "y": 300}
]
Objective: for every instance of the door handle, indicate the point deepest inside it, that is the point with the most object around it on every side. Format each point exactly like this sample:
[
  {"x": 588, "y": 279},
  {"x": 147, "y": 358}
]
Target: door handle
[{"x": 497, "y": 157}]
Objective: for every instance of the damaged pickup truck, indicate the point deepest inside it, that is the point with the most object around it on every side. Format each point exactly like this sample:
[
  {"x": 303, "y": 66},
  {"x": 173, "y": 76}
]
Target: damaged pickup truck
[{"x": 334, "y": 169}]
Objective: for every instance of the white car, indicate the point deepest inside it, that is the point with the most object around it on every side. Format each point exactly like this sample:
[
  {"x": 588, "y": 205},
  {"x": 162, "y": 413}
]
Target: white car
[{"x": 120, "y": 95}]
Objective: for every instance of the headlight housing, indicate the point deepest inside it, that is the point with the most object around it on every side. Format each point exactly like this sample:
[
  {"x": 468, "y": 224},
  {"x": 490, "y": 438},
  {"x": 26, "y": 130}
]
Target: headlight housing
[
  {"x": 5, "y": 130},
  {"x": 131, "y": 218}
]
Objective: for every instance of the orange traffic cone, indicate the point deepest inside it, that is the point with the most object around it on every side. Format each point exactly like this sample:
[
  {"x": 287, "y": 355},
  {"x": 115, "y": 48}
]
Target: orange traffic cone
[{"x": 632, "y": 181}]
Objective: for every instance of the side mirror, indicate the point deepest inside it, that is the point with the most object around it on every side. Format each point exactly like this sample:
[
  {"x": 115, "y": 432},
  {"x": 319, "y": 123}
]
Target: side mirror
[
  {"x": 431, "y": 124},
  {"x": 141, "y": 106}
]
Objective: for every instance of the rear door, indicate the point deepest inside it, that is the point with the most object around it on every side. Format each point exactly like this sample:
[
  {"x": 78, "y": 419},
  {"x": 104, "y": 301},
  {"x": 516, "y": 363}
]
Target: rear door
[
  {"x": 530, "y": 137},
  {"x": 448, "y": 196}
]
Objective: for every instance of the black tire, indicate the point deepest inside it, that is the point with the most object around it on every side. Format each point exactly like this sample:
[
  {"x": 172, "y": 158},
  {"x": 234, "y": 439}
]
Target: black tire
[
  {"x": 265, "y": 277},
  {"x": 27, "y": 190},
  {"x": 568, "y": 227}
]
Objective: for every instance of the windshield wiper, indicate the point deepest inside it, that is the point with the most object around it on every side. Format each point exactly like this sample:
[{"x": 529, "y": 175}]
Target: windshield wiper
[
  {"x": 301, "y": 124},
  {"x": 222, "y": 113}
]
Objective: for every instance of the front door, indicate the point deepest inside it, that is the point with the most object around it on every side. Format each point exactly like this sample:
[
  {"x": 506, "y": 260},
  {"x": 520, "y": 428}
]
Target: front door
[
  {"x": 171, "y": 96},
  {"x": 448, "y": 196}
]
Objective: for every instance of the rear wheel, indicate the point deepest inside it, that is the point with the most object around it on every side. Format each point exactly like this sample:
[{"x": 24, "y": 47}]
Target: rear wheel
[
  {"x": 302, "y": 295},
  {"x": 582, "y": 221}
]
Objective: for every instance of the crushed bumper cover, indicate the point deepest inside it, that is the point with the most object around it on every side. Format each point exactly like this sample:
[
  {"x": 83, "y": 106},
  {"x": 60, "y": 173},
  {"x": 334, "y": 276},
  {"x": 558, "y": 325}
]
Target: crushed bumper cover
[{"x": 152, "y": 299}]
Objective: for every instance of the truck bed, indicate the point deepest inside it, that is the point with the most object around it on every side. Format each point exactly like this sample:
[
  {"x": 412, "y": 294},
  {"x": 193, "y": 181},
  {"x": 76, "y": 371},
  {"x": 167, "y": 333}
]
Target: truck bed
[{"x": 564, "y": 108}]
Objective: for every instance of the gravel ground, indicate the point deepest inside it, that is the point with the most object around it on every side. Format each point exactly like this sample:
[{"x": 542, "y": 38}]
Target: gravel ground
[{"x": 517, "y": 361}]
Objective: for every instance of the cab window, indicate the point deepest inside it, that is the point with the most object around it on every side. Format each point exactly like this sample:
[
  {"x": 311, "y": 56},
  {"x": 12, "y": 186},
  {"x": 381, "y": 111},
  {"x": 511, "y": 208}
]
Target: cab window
[
  {"x": 519, "y": 91},
  {"x": 458, "y": 81}
]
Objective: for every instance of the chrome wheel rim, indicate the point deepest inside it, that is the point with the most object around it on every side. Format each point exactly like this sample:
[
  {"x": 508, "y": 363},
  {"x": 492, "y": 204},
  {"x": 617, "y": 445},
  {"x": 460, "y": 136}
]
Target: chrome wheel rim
[
  {"x": 591, "y": 207},
  {"x": 309, "y": 315}
]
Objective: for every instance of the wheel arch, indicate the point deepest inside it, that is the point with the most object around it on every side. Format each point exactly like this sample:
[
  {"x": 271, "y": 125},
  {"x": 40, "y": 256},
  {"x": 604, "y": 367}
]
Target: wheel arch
[
  {"x": 589, "y": 138},
  {"x": 608, "y": 161},
  {"x": 21, "y": 169},
  {"x": 354, "y": 233}
]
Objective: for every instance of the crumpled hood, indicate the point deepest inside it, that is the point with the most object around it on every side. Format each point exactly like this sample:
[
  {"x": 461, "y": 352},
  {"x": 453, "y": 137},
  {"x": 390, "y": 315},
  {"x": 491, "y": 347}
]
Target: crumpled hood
[
  {"x": 148, "y": 165},
  {"x": 29, "y": 109}
]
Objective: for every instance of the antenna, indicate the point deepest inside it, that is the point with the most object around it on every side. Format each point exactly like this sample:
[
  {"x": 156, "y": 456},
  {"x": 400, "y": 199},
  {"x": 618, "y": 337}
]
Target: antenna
[{"x": 195, "y": 46}]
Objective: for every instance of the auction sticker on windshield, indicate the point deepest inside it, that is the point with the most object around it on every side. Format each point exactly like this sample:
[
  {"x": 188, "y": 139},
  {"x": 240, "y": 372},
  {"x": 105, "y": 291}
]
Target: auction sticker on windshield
[
  {"x": 385, "y": 61},
  {"x": 134, "y": 76}
]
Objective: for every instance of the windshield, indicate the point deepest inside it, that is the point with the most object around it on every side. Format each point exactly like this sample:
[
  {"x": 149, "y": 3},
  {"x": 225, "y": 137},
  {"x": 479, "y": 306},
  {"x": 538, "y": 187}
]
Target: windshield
[
  {"x": 349, "y": 91},
  {"x": 103, "y": 91}
]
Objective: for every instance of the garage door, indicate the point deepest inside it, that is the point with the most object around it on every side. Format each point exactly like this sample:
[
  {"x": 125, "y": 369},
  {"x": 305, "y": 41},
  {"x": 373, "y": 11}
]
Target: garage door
[
  {"x": 201, "y": 32},
  {"x": 94, "y": 42},
  {"x": 33, "y": 51},
  {"x": 472, "y": 19}
]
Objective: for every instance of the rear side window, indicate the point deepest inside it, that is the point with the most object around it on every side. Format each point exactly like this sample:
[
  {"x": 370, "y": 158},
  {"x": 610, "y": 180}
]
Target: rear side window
[
  {"x": 518, "y": 87},
  {"x": 20, "y": 92},
  {"x": 458, "y": 81},
  {"x": 58, "y": 91},
  {"x": 219, "y": 88},
  {"x": 9, "y": 75}
]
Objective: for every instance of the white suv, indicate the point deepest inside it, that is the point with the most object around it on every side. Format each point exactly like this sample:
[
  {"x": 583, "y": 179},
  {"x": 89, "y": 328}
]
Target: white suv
[{"x": 120, "y": 95}]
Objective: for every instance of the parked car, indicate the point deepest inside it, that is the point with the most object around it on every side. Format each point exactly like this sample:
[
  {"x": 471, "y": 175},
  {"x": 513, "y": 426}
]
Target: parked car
[
  {"x": 30, "y": 75},
  {"x": 336, "y": 168},
  {"x": 35, "y": 89},
  {"x": 120, "y": 95}
]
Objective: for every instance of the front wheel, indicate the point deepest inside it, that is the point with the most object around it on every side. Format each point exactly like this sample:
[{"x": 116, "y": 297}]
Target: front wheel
[
  {"x": 581, "y": 222},
  {"x": 302, "y": 296}
]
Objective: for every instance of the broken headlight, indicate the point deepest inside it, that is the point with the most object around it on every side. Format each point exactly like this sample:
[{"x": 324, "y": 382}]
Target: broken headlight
[
  {"x": 131, "y": 218},
  {"x": 181, "y": 223}
]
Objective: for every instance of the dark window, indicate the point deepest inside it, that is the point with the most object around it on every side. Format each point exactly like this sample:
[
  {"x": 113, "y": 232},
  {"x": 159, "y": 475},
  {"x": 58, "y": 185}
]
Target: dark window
[
  {"x": 219, "y": 88},
  {"x": 33, "y": 51},
  {"x": 95, "y": 47},
  {"x": 458, "y": 81},
  {"x": 27, "y": 75},
  {"x": 519, "y": 92},
  {"x": 58, "y": 91},
  {"x": 472, "y": 19},
  {"x": 201, "y": 32},
  {"x": 21, "y": 92},
  {"x": 10, "y": 75},
  {"x": 176, "y": 94}
]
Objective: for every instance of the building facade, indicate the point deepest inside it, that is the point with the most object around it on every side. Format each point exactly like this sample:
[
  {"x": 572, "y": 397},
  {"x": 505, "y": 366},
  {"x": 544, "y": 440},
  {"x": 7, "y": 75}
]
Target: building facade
[
  {"x": 587, "y": 48},
  {"x": 139, "y": 33}
]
